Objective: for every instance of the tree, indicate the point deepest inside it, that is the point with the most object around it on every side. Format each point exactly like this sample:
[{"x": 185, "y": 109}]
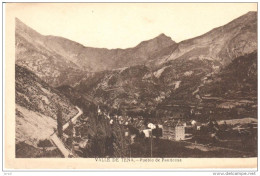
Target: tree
[
  {"x": 44, "y": 143},
  {"x": 59, "y": 122}
]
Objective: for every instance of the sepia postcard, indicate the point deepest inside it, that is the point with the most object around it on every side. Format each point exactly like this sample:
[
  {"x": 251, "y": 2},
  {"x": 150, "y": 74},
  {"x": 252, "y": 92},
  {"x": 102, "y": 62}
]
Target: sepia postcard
[{"x": 130, "y": 86}]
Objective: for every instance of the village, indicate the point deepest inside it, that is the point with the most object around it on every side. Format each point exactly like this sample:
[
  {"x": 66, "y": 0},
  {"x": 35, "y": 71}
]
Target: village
[{"x": 139, "y": 137}]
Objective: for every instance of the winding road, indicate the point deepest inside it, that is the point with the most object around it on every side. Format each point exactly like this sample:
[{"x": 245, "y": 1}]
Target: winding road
[{"x": 57, "y": 141}]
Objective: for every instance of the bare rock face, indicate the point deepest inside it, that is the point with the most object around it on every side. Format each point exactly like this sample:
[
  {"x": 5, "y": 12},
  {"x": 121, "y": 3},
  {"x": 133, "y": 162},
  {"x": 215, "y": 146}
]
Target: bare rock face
[{"x": 36, "y": 95}]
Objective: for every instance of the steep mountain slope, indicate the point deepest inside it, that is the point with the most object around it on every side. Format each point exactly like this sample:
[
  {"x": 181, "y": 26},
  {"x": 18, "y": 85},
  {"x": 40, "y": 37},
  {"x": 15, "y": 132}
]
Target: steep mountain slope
[
  {"x": 221, "y": 44},
  {"x": 237, "y": 80},
  {"x": 126, "y": 87},
  {"x": 51, "y": 67},
  {"x": 232, "y": 93},
  {"x": 36, "y": 107}
]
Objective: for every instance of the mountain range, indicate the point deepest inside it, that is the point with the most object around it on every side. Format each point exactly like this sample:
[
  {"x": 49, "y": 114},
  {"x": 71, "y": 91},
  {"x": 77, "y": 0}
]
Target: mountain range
[
  {"x": 60, "y": 61},
  {"x": 177, "y": 74}
]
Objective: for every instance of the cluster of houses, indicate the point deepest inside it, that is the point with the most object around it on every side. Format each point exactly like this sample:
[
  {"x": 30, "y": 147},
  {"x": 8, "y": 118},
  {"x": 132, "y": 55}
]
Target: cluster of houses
[
  {"x": 173, "y": 129},
  {"x": 170, "y": 129},
  {"x": 164, "y": 128}
]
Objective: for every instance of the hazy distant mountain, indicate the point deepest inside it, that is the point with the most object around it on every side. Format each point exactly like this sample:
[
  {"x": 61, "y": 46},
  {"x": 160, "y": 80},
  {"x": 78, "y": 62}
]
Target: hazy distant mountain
[
  {"x": 60, "y": 61},
  {"x": 36, "y": 107},
  {"x": 98, "y": 59}
]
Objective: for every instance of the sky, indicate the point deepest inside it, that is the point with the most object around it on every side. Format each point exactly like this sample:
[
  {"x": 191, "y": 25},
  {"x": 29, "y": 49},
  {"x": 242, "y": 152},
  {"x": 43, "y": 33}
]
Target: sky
[{"x": 115, "y": 25}]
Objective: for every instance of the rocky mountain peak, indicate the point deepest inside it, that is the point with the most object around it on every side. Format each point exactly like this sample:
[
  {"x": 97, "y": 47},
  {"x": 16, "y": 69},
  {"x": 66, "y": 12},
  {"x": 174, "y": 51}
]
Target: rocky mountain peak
[{"x": 162, "y": 36}]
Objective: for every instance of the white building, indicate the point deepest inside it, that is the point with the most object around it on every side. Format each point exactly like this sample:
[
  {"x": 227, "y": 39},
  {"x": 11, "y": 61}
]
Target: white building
[
  {"x": 174, "y": 132},
  {"x": 179, "y": 133}
]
